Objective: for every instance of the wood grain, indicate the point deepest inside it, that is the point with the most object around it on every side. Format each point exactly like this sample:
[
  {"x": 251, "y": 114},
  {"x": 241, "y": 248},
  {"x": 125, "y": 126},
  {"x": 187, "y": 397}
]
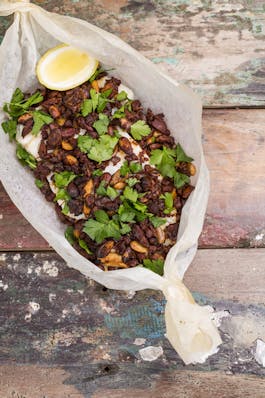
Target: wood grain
[
  {"x": 215, "y": 47},
  {"x": 235, "y": 153},
  {"x": 40, "y": 381},
  {"x": 53, "y": 315}
]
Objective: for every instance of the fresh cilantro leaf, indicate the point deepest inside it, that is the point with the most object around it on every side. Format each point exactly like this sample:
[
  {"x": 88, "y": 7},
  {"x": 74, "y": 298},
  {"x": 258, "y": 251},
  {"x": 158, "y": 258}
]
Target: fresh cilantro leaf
[
  {"x": 181, "y": 155},
  {"x": 19, "y": 105},
  {"x": 95, "y": 230},
  {"x": 126, "y": 213},
  {"x": 156, "y": 266},
  {"x": 85, "y": 143},
  {"x": 121, "y": 96},
  {"x": 99, "y": 231},
  {"x": 140, "y": 129},
  {"x": 103, "y": 148},
  {"x": 164, "y": 161},
  {"x": 40, "y": 119},
  {"x": 62, "y": 194},
  {"x": 102, "y": 216},
  {"x": 64, "y": 178},
  {"x": 112, "y": 193},
  {"x": 84, "y": 246},
  {"x": 113, "y": 230},
  {"x": 119, "y": 113},
  {"x": 140, "y": 207},
  {"x": 69, "y": 234},
  {"x": 25, "y": 157},
  {"x": 94, "y": 98},
  {"x": 180, "y": 179},
  {"x": 130, "y": 194},
  {"x": 102, "y": 102},
  {"x": 65, "y": 209},
  {"x": 17, "y": 96},
  {"x": 34, "y": 99},
  {"x": 157, "y": 221},
  {"x": 39, "y": 183},
  {"x": 10, "y": 128},
  {"x": 135, "y": 167},
  {"x": 101, "y": 190},
  {"x": 168, "y": 198},
  {"x": 132, "y": 181},
  {"x": 101, "y": 125},
  {"x": 86, "y": 107},
  {"x": 125, "y": 168},
  {"x": 97, "y": 173},
  {"x": 125, "y": 228},
  {"x": 106, "y": 93}
]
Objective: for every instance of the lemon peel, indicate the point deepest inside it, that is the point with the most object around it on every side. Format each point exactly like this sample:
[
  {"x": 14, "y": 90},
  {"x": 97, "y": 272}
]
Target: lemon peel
[{"x": 65, "y": 67}]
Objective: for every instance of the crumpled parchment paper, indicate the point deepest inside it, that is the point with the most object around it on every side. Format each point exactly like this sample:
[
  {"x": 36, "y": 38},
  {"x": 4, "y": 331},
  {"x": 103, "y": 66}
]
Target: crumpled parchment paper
[{"x": 189, "y": 326}]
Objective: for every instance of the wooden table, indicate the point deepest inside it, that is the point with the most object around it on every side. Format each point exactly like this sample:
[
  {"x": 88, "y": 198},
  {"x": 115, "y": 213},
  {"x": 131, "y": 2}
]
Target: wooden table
[{"x": 65, "y": 336}]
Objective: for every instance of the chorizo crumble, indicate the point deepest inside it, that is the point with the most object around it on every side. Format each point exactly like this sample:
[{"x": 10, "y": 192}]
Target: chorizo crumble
[{"x": 115, "y": 175}]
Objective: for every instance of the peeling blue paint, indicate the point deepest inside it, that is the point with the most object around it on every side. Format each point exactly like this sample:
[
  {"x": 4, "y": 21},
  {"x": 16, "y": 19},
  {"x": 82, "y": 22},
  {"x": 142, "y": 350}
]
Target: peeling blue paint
[
  {"x": 167, "y": 60},
  {"x": 140, "y": 321}
]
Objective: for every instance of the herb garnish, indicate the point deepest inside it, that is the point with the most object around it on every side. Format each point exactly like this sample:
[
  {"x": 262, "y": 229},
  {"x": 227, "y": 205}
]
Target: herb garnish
[
  {"x": 156, "y": 266},
  {"x": 165, "y": 161},
  {"x": 25, "y": 157},
  {"x": 140, "y": 129}
]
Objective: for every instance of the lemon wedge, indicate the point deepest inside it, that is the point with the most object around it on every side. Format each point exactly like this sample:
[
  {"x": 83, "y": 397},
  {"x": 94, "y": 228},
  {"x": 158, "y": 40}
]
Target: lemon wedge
[{"x": 64, "y": 67}]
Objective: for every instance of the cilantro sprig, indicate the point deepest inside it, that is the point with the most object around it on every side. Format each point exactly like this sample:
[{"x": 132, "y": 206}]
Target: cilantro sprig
[
  {"x": 165, "y": 160},
  {"x": 25, "y": 158},
  {"x": 111, "y": 192},
  {"x": 168, "y": 198},
  {"x": 98, "y": 150},
  {"x": 132, "y": 167},
  {"x": 140, "y": 129},
  {"x": 20, "y": 105},
  {"x": 64, "y": 178},
  {"x": 102, "y": 227},
  {"x": 156, "y": 266}
]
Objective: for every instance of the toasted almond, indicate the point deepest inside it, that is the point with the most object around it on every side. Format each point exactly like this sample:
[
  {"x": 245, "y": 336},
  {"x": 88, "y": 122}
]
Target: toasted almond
[
  {"x": 115, "y": 178},
  {"x": 66, "y": 146},
  {"x": 156, "y": 133},
  {"x": 54, "y": 111},
  {"x": 88, "y": 188},
  {"x": 119, "y": 185},
  {"x": 160, "y": 233},
  {"x": 136, "y": 246},
  {"x": 112, "y": 258},
  {"x": 86, "y": 210},
  {"x": 118, "y": 265},
  {"x": 60, "y": 121},
  {"x": 71, "y": 160},
  {"x": 24, "y": 118},
  {"x": 95, "y": 86},
  {"x": 76, "y": 233},
  {"x": 192, "y": 169}
]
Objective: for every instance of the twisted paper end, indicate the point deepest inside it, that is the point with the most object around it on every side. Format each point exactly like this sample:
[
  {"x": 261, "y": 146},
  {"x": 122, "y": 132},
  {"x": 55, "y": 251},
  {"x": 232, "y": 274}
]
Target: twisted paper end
[{"x": 190, "y": 328}]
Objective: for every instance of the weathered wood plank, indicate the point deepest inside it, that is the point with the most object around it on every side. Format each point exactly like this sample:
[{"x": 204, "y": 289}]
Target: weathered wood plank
[
  {"x": 53, "y": 315},
  {"x": 235, "y": 153},
  {"x": 215, "y": 47},
  {"x": 40, "y": 381}
]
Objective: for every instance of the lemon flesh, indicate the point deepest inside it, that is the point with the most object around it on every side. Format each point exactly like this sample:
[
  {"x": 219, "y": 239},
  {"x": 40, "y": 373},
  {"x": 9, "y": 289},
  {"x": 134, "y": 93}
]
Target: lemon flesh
[{"x": 65, "y": 67}]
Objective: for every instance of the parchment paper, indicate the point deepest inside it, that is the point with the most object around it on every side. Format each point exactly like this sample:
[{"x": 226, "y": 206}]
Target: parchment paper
[{"x": 189, "y": 326}]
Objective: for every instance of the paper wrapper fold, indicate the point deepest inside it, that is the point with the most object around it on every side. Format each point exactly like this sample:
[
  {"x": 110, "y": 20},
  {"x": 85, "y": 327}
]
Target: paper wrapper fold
[{"x": 189, "y": 326}]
